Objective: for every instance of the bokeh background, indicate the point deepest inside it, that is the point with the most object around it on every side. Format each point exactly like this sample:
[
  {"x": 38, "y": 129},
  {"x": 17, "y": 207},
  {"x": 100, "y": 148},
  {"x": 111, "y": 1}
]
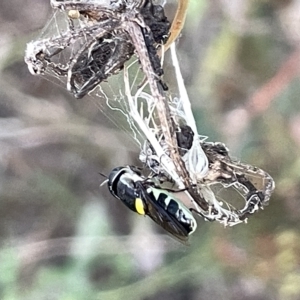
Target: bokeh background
[{"x": 64, "y": 237}]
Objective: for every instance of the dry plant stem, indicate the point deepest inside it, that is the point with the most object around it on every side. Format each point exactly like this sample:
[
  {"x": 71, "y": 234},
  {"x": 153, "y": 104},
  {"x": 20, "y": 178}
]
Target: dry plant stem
[
  {"x": 166, "y": 162},
  {"x": 262, "y": 98},
  {"x": 178, "y": 22},
  {"x": 162, "y": 106}
]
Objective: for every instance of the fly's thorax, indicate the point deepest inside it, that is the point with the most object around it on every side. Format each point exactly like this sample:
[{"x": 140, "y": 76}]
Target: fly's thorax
[{"x": 122, "y": 185}]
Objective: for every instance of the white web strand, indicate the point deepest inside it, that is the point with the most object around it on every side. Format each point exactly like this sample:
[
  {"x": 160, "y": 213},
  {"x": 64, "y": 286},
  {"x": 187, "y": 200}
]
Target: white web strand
[
  {"x": 195, "y": 159},
  {"x": 217, "y": 210},
  {"x": 197, "y": 162},
  {"x": 63, "y": 41},
  {"x": 164, "y": 159}
]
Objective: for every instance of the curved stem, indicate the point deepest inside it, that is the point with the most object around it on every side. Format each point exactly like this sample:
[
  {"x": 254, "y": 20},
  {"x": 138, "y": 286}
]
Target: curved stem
[{"x": 177, "y": 23}]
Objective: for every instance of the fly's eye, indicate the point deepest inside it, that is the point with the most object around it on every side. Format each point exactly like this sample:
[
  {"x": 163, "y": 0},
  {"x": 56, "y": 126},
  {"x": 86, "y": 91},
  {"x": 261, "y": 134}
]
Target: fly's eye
[{"x": 139, "y": 206}]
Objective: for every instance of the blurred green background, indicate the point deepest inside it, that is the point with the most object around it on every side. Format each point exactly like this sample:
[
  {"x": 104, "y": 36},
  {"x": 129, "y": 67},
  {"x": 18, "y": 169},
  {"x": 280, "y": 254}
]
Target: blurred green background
[{"x": 63, "y": 237}]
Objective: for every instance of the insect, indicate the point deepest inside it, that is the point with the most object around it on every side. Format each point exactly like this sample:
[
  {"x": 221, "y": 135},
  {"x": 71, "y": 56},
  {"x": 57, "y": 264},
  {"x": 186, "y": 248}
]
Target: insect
[
  {"x": 252, "y": 183},
  {"x": 104, "y": 41},
  {"x": 101, "y": 37},
  {"x": 108, "y": 34},
  {"x": 142, "y": 196}
]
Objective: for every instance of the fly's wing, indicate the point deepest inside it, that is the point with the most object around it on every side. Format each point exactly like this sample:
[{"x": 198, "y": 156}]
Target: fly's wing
[{"x": 160, "y": 216}]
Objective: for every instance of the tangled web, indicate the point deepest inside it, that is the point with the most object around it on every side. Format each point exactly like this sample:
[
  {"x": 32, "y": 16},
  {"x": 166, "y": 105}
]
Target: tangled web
[{"x": 87, "y": 42}]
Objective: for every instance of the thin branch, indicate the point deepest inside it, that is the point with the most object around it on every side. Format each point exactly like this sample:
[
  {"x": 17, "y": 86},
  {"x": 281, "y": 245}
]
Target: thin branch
[{"x": 262, "y": 98}]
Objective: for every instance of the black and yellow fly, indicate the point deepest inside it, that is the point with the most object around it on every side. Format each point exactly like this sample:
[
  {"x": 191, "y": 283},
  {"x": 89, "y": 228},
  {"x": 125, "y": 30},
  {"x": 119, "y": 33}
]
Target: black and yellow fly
[{"x": 142, "y": 196}]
